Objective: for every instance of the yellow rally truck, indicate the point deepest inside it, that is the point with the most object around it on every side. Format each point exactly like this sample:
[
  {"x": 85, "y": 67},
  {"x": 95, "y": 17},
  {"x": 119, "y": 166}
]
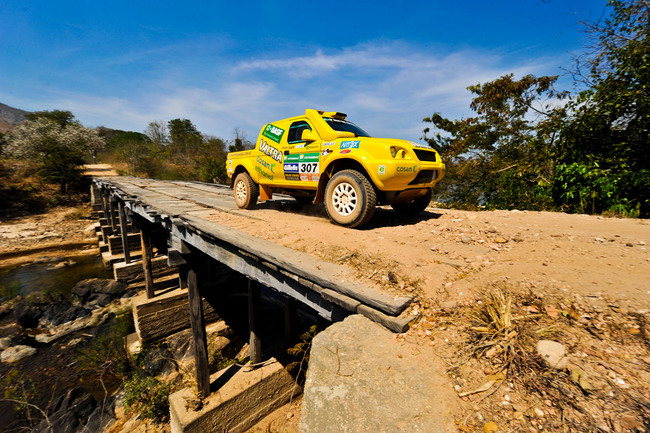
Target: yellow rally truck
[{"x": 322, "y": 157}]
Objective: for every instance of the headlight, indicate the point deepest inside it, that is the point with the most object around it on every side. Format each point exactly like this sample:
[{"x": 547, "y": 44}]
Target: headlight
[{"x": 393, "y": 151}]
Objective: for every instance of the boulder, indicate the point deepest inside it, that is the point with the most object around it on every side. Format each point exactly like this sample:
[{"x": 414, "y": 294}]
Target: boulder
[
  {"x": 159, "y": 361},
  {"x": 67, "y": 412},
  {"x": 101, "y": 418},
  {"x": 99, "y": 299},
  {"x": 553, "y": 353},
  {"x": 58, "y": 313},
  {"x": 181, "y": 345},
  {"x": 76, "y": 400},
  {"x": 85, "y": 288},
  {"x": 27, "y": 314},
  {"x": 360, "y": 379},
  {"x": 5, "y": 342},
  {"x": 16, "y": 353}
]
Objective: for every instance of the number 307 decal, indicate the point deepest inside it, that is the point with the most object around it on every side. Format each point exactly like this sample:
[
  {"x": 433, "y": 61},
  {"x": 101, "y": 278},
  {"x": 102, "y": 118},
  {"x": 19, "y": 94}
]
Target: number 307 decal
[{"x": 308, "y": 167}]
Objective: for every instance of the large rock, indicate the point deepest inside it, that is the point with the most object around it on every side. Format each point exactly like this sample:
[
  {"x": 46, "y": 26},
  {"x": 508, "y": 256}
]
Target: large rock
[
  {"x": 360, "y": 379},
  {"x": 16, "y": 353},
  {"x": 68, "y": 412},
  {"x": 85, "y": 288},
  {"x": 26, "y": 314},
  {"x": 63, "y": 312},
  {"x": 553, "y": 353}
]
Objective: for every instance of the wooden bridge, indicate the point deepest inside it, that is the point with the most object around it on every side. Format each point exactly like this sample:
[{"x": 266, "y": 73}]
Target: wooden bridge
[{"x": 176, "y": 218}]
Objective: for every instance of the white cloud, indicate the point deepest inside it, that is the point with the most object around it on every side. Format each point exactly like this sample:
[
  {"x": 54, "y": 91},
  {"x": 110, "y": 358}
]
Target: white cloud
[
  {"x": 389, "y": 87},
  {"x": 385, "y": 87}
]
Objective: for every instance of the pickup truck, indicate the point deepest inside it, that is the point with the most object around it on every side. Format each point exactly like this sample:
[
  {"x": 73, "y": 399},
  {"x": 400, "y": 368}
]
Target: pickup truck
[{"x": 322, "y": 157}]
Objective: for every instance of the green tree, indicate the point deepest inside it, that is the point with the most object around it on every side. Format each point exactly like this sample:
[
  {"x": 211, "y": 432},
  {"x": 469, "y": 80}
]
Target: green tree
[
  {"x": 183, "y": 134},
  {"x": 503, "y": 157},
  {"x": 62, "y": 117},
  {"x": 139, "y": 152},
  {"x": 212, "y": 161},
  {"x": 604, "y": 163},
  {"x": 60, "y": 150}
]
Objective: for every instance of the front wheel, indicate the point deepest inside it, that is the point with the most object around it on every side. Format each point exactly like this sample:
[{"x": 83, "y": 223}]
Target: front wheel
[
  {"x": 350, "y": 199},
  {"x": 416, "y": 206},
  {"x": 246, "y": 191}
]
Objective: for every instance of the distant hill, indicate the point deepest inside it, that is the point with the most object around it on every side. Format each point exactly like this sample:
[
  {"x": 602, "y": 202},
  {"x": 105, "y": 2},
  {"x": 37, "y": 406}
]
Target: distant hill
[{"x": 10, "y": 116}]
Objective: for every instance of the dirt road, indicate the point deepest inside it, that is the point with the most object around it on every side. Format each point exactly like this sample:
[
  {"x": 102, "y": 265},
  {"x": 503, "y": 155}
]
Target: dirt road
[{"x": 450, "y": 256}]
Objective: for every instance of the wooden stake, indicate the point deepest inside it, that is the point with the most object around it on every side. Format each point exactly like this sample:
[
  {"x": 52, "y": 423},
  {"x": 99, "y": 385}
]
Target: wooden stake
[
  {"x": 107, "y": 210},
  {"x": 254, "y": 300},
  {"x": 111, "y": 213},
  {"x": 125, "y": 235},
  {"x": 145, "y": 241},
  {"x": 103, "y": 201},
  {"x": 198, "y": 333}
]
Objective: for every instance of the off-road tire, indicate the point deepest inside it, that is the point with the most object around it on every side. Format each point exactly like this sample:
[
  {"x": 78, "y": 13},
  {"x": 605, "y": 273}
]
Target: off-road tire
[
  {"x": 350, "y": 199},
  {"x": 414, "y": 207},
  {"x": 245, "y": 191}
]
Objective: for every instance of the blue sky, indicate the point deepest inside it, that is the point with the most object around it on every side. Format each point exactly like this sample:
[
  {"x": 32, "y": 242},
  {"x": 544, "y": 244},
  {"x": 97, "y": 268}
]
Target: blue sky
[{"x": 241, "y": 64}]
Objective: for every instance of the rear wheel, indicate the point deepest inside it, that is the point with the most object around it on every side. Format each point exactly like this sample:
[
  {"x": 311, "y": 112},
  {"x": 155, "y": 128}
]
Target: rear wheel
[
  {"x": 246, "y": 191},
  {"x": 350, "y": 198},
  {"x": 414, "y": 206}
]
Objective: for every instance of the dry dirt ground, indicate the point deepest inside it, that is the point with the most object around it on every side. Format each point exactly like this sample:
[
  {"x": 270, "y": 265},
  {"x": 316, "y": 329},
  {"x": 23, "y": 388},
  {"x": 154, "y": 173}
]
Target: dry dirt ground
[
  {"x": 57, "y": 231},
  {"x": 581, "y": 280}
]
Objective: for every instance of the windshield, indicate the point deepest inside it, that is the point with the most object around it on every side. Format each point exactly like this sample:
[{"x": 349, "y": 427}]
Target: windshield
[{"x": 344, "y": 125}]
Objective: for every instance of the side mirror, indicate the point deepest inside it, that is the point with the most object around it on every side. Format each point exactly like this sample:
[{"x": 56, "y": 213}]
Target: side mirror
[{"x": 308, "y": 135}]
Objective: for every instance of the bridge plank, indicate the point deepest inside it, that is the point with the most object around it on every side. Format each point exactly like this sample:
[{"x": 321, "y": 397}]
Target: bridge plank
[{"x": 160, "y": 196}]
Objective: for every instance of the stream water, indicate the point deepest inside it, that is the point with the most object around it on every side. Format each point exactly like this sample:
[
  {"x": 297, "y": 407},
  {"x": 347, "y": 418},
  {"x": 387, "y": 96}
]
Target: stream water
[
  {"x": 53, "y": 370},
  {"x": 55, "y": 274}
]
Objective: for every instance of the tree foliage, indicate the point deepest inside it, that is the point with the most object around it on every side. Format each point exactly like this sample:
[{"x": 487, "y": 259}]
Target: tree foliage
[
  {"x": 604, "y": 163},
  {"x": 503, "y": 156},
  {"x": 157, "y": 132},
  {"x": 171, "y": 150},
  {"x": 61, "y": 117},
  {"x": 532, "y": 147},
  {"x": 59, "y": 146}
]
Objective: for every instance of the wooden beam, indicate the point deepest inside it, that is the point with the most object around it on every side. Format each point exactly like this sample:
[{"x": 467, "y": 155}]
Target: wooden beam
[
  {"x": 123, "y": 233},
  {"x": 311, "y": 269},
  {"x": 254, "y": 301},
  {"x": 145, "y": 239},
  {"x": 257, "y": 271},
  {"x": 198, "y": 334}
]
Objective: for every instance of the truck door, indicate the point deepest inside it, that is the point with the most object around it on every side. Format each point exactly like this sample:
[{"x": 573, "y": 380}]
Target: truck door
[{"x": 301, "y": 159}]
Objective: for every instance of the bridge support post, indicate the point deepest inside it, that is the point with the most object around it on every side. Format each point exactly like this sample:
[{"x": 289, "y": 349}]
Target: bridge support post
[
  {"x": 290, "y": 318},
  {"x": 254, "y": 300},
  {"x": 102, "y": 199},
  {"x": 111, "y": 213},
  {"x": 145, "y": 241},
  {"x": 106, "y": 204},
  {"x": 197, "y": 323},
  {"x": 123, "y": 233}
]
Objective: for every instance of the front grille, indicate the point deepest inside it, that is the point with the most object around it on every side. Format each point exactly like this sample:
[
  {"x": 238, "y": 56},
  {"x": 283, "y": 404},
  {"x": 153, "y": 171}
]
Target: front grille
[
  {"x": 424, "y": 176},
  {"x": 425, "y": 155}
]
